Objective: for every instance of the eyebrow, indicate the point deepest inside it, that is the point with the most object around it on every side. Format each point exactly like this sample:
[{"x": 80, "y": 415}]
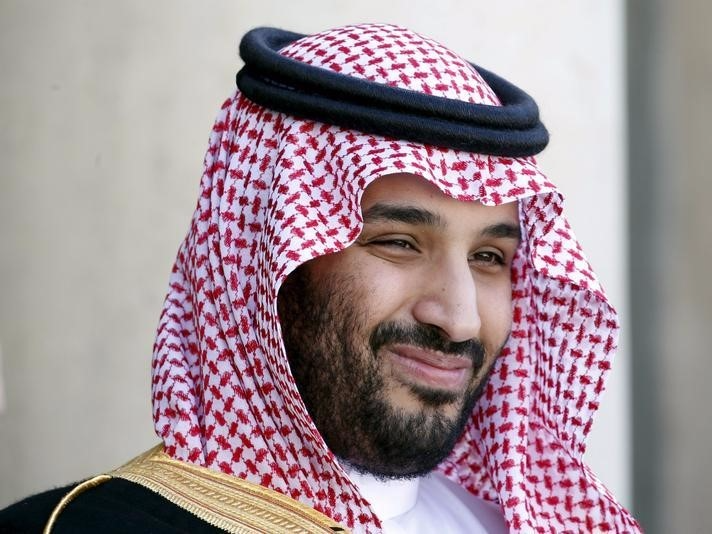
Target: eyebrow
[
  {"x": 506, "y": 230},
  {"x": 402, "y": 214},
  {"x": 419, "y": 216}
]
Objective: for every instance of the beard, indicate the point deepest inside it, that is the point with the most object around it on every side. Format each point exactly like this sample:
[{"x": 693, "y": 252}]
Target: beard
[{"x": 343, "y": 382}]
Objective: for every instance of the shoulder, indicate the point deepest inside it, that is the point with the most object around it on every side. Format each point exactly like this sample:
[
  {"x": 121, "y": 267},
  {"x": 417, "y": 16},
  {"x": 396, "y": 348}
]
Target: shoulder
[
  {"x": 158, "y": 494},
  {"x": 31, "y": 514},
  {"x": 116, "y": 505}
]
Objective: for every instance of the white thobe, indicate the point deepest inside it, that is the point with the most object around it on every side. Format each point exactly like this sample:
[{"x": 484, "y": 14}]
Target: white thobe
[{"x": 431, "y": 504}]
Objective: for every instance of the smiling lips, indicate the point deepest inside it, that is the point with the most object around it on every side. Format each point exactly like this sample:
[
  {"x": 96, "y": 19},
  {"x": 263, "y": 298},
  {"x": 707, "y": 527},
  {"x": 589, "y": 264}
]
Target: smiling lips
[{"x": 431, "y": 368}]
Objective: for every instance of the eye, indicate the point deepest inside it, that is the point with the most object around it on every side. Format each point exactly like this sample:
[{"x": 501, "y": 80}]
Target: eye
[
  {"x": 488, "y": 258},
  {"x": 394, "y": 243}
]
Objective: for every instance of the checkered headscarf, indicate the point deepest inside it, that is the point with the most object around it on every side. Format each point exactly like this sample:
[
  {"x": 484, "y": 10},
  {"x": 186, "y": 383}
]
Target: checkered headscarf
[{"x": 278, "y": 191}]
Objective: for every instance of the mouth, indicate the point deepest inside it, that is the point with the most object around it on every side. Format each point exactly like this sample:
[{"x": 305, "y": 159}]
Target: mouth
[{"x": 433, "y": 369}]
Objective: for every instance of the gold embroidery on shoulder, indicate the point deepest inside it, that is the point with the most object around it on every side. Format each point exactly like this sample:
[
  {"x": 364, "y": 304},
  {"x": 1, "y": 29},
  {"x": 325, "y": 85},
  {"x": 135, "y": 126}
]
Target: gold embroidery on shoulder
[
  {"x": 79, "y": 488},
  {"x": 221, "y": 500}
]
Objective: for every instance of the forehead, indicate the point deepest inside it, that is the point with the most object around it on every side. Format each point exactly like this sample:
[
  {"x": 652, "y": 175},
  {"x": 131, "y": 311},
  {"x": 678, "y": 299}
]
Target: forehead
[{"x": 412, "y": 190}]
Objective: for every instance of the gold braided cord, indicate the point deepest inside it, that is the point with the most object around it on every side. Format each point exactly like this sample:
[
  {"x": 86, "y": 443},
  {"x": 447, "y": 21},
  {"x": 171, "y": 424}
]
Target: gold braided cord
[{"x": 79, "y": 488}]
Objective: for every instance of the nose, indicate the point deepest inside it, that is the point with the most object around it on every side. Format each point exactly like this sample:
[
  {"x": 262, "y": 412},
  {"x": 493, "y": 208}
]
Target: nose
[{"x": 447, "y": 299}]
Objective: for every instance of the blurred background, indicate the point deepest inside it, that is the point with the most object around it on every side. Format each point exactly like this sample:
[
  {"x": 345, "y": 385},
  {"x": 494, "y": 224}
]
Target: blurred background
[{"x": 107, "y": 107}]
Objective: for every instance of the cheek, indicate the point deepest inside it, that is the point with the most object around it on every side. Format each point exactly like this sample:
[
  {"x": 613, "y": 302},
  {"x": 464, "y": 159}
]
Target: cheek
[
  {"x": 378, "y": 288},
  {"x": 494, "y": 303},
  {"x": 384, "y": 290}
]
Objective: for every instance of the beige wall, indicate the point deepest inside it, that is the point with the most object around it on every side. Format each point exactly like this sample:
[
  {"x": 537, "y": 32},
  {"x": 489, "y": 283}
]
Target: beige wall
[
  {"x": 106, "y": 110},
  {"x": 686, "y": 365},
  {"x": 671, "y": 112}
]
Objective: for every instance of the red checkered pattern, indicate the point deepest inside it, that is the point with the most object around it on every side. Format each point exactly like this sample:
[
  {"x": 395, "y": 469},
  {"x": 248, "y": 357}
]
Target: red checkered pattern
[{"x": 278, "y": 191}]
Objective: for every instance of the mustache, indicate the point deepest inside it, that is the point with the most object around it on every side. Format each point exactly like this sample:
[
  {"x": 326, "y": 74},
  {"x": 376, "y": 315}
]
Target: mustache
[{"x": 427, "y": 337}]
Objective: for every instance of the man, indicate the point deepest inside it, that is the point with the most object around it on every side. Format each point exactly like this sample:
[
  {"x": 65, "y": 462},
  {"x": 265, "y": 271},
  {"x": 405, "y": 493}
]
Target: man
[{"x": 379, "y": 319}]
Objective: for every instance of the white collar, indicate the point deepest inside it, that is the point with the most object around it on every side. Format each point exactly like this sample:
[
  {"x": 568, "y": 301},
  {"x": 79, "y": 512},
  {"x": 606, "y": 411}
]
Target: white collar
[{"x": 388, "y": 498}]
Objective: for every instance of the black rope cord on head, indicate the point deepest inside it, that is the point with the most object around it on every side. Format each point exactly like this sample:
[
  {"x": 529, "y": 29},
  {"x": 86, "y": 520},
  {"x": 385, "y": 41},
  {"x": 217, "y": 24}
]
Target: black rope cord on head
[{"x": 290, "y": 86}]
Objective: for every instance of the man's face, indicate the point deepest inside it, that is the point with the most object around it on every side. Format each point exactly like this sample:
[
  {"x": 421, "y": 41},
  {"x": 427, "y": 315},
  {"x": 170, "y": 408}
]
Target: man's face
[{"x": 390, "y": 341}]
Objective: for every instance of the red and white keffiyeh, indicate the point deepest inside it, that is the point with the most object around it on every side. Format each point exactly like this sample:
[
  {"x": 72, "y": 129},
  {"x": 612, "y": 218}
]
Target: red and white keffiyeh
[{"x": 278, "y": 191}]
